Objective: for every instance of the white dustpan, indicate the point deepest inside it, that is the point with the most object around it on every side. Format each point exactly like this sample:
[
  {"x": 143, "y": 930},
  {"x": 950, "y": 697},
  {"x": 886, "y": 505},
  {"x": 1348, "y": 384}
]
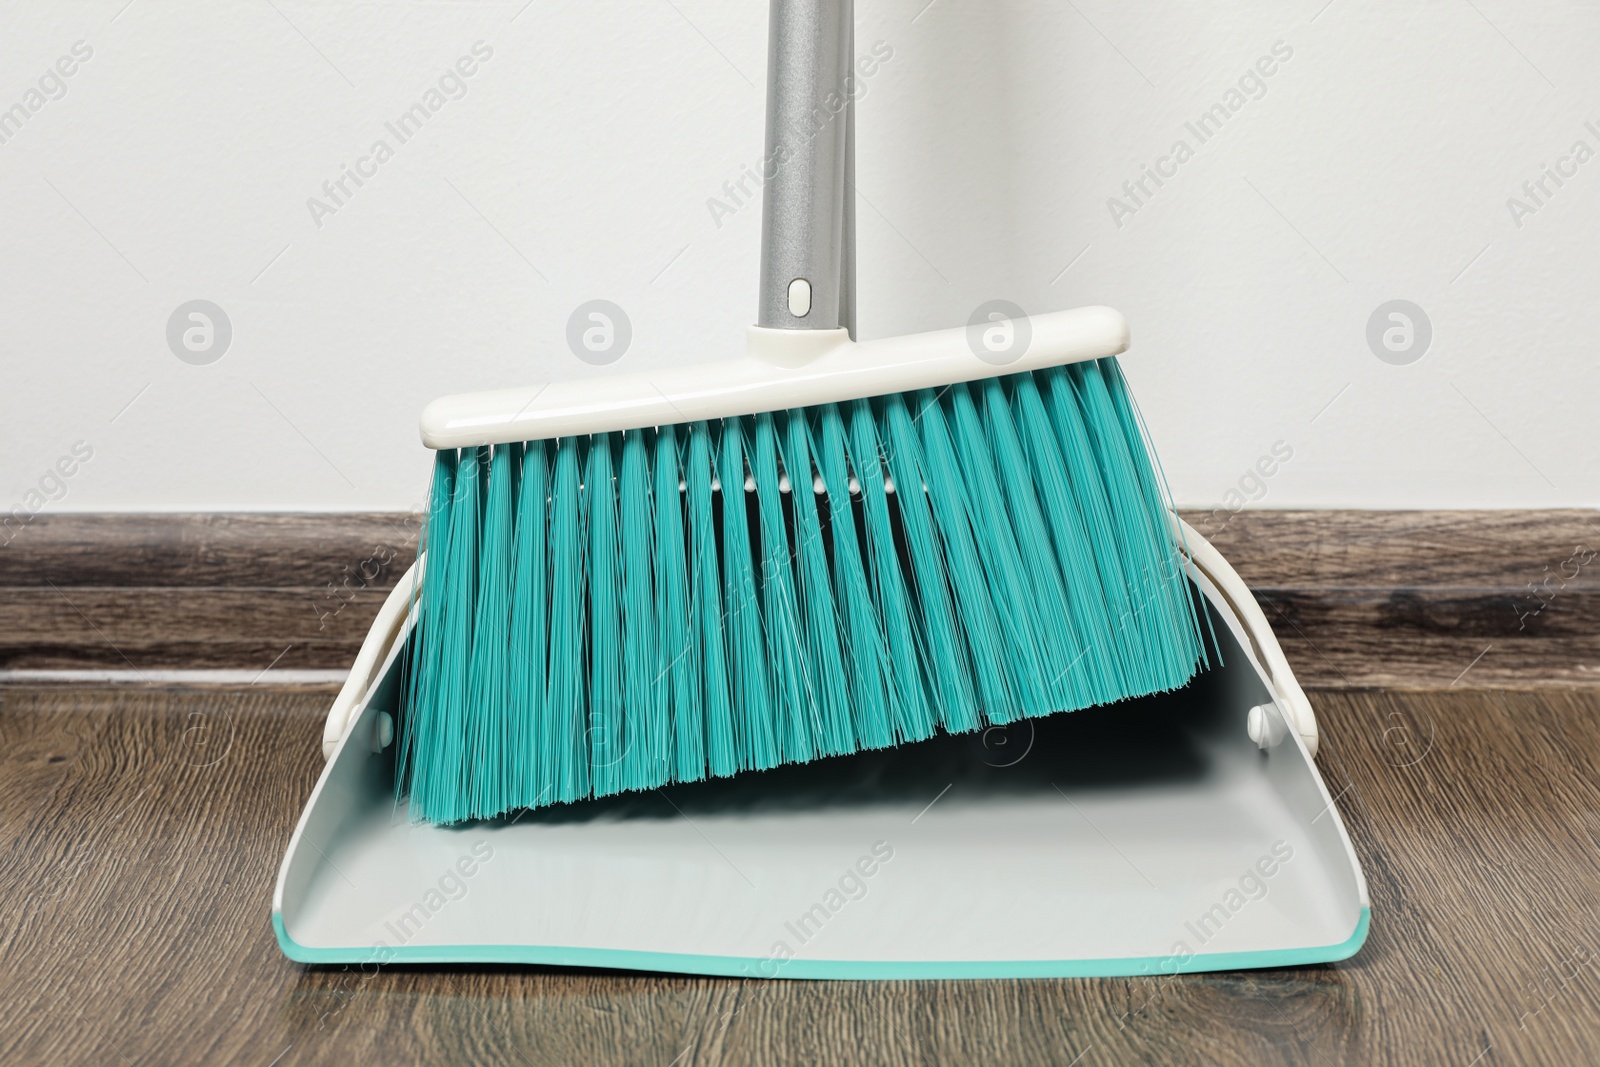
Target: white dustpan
[
  {"x": 1187, "y": 831},
  {"x": 1183, "y": 832}
]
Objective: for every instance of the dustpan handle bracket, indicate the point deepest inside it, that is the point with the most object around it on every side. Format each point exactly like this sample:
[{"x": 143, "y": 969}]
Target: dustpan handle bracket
[
  {"x": 1290, "y": 698},
  {"x": 366, "y": 670}
]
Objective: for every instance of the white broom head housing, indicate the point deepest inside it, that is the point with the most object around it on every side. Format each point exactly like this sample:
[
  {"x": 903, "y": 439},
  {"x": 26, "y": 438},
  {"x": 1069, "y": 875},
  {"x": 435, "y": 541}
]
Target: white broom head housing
[{"x": 781, "y": 369}]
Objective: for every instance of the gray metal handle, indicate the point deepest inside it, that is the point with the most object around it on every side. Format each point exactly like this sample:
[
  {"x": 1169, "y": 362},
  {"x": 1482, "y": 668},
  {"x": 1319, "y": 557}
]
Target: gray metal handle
[{"x": 807, "y": 216}]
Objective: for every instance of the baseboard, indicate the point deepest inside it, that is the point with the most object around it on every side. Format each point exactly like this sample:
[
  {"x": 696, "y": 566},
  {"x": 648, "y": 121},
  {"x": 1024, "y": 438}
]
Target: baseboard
[
  {"x": 235, "y": 592},
  {"x": 1358, "y": 598},
  {"x": 1423, "y": 598}
]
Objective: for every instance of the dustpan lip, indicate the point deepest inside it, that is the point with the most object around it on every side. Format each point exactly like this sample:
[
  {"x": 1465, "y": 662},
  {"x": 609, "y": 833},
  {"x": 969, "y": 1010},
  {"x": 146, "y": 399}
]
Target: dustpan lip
[{"x": 855, "y": 970}]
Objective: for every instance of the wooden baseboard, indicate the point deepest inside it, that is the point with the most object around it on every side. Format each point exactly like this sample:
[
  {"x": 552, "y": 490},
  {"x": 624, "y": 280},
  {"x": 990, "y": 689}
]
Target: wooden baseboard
[
  {"x": 197, "y": 592},
  {"x": 1358, "y": 598},
  {"x": 1423, "y": 598}
]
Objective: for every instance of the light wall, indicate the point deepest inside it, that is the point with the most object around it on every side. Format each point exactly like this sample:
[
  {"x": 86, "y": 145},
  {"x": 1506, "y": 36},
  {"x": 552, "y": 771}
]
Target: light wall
[{"x": 1378, "y": 162}]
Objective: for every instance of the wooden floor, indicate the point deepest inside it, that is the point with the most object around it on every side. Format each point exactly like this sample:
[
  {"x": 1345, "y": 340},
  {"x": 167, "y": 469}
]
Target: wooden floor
[{"x": 141, "y": 831}]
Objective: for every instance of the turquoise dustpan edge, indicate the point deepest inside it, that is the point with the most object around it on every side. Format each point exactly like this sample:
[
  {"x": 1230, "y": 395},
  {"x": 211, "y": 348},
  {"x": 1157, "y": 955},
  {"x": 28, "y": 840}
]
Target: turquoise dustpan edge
[{"x": 743, "y": 967}]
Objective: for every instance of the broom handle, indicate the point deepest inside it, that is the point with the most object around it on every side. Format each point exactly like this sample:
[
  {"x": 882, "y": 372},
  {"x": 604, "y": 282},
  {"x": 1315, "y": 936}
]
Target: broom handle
[
  {"x": 847, "y": 254},
  {"x": 807, "y": 226}
]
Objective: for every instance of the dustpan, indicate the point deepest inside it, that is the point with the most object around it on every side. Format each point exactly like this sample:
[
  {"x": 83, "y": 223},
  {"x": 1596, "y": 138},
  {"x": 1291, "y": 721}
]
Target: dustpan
[
  {"x": 1179, "y": 832},
  {"x": 1186, "y": 831}
]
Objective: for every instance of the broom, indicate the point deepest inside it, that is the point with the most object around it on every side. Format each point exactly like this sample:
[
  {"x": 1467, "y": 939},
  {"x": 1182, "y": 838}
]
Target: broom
[{"x": 631, "y": 581}]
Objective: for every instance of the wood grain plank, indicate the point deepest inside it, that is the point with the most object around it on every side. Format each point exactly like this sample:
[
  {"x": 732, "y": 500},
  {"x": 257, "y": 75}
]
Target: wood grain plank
[
  {"x": 97, "y": 614},
  {"x": 1358, "y": 598},
  {"x": 1401, "y": 549},
  {"x": 137, "y": 658},
  {"x": 189, "y": 627},
  {"x": 1416, "y": 598},
  {"x": 143, "y": 829},
  {"x": 245, "y": 550}
]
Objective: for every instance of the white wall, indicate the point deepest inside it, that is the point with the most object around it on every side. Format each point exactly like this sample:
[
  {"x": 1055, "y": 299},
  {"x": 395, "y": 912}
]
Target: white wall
[{"x": 1376, "y": 166}]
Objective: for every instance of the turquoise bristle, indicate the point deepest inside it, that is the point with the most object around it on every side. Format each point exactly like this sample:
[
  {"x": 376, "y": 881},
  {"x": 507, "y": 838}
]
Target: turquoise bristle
[
  {"x": 755, "y": 730},
  {"x": 423, "y": 681},
  {"x": 872, "y": 695},
  {"x": 443, "y": 782},
  {"x": 892, "y": 604},
  {"x": 1161, "y": 566},
  {"x": 563, "y": 738},
  {"x": 1060, "y": 640},
  {"x": 648, "y": 748},
  {"x": 824, "y": 662},
  {"x": 1081, "y": 580},
  {"x": 798, "y": 722},
  {"x": 530, "y": 624},
  {"x": 1039, "y": 652},
  {"x": 606, "y": 745},
  {"x": 1135, "y": 533},
  {"x": 1092, "y": 504},
  {"x": 978, "y": 606},
  {"x": 706, "y": 635},
  {"x": 676, "y": 686},
  {"x": 489, "y": 729},
  {"x": 943, "y": 652},
  {"x": 618, "y": 612}
]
